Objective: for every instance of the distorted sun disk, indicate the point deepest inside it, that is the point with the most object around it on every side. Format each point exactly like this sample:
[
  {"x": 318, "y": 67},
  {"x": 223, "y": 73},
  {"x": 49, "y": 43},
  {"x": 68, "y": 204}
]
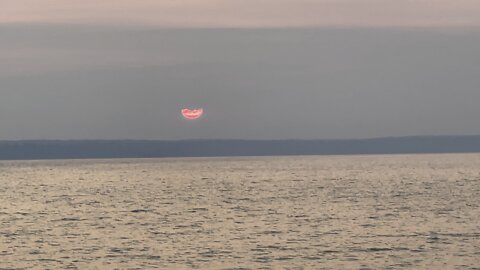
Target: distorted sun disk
[{"x": 192, "y": 114}]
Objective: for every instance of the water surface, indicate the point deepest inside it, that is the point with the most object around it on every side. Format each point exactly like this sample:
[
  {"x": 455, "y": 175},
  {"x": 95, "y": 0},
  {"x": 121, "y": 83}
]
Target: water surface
[{"x": 330, "y": 212}]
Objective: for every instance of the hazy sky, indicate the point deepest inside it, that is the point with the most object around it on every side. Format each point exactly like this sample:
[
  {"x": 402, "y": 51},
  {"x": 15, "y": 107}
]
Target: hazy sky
[
  {"x": 246, "y": 13},
  {"x": 261, "y": 69}
]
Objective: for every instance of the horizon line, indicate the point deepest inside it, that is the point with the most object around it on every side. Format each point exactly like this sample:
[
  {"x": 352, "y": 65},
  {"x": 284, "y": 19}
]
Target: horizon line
[{"x": 238, "y": 139}]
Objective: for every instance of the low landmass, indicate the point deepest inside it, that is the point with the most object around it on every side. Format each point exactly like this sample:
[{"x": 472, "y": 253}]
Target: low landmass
[{"x": 80, "y": 149}]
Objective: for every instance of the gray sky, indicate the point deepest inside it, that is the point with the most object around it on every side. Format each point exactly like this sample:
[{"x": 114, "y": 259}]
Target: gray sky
[
  {"x": 68, "y": 77},
  {"x": 245, "y": 13}
]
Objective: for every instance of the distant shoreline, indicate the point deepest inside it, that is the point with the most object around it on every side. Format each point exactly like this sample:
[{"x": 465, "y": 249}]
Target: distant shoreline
[{"x": 98, "y": 149}]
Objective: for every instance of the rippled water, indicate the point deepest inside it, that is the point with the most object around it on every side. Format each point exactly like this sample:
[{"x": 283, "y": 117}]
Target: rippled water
[{"x": 370, "y": 212}]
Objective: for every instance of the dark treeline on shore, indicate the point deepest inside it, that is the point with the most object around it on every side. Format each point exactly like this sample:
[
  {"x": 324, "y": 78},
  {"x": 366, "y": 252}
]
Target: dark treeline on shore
[{"x": 76, "y": 149}]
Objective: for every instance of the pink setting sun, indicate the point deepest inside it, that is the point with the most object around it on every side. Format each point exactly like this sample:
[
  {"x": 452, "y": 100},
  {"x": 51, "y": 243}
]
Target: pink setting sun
[{"x": 192, "y": 114}]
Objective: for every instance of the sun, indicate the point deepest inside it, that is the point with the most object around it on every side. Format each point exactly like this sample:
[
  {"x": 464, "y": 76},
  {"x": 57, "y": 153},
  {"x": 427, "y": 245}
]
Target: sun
[{"x": 192, "y": 114}]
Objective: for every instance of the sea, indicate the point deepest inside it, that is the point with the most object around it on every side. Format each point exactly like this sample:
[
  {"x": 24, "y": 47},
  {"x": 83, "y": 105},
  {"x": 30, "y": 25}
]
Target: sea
[{"x": 417, "y": 211}]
